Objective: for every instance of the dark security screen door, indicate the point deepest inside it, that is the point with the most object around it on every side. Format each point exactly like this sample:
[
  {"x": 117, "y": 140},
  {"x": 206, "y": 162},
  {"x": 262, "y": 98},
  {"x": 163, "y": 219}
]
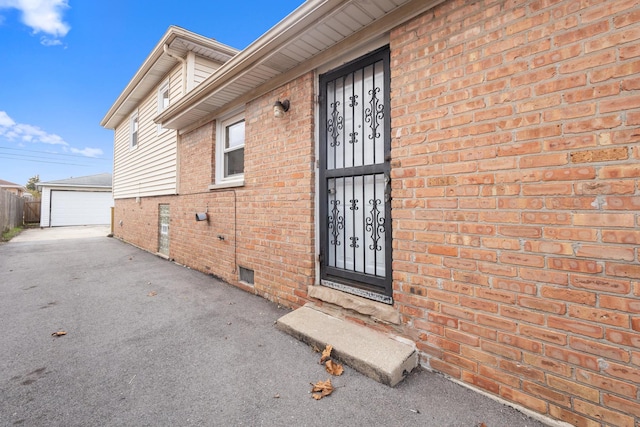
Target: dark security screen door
[{"x": 355, "y": 206}]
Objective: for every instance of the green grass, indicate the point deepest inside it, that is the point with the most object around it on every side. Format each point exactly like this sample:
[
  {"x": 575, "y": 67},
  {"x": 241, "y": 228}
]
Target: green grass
[{"x": 10, "y": 234}]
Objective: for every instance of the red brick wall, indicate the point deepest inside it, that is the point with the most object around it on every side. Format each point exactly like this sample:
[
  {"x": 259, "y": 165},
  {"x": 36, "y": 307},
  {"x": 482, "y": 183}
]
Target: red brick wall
[
  {"x": 278, "y": 209},
  {"x": 266, "y": 225},
  {"x": 196, "y": 159},
  {"x": 516, "y": 198},
  {"x": 137, "y": 221}
]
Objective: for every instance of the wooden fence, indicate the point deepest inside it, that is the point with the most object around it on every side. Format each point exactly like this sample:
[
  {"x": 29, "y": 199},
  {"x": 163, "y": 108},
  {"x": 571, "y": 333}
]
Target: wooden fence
[
  {"x": 32, "y": 212},
  {"x": 11, "y": 210}
]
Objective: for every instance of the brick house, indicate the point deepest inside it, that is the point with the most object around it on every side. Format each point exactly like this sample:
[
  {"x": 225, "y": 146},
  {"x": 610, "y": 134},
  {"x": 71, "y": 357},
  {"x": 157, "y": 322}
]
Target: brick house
[{"x": 464, "y": 175}]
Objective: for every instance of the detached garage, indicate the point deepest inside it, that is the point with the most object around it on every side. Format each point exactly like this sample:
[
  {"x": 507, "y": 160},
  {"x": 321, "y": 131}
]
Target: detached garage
[{"x": 85, "y": 200}]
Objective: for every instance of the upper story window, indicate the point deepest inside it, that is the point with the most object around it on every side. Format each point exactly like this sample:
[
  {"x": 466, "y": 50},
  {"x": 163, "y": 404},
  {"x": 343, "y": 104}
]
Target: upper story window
[
  {"x": 133, "y": 131},
  {"x": 163, "y": 101},
  {"x": 230, "y": 149}
]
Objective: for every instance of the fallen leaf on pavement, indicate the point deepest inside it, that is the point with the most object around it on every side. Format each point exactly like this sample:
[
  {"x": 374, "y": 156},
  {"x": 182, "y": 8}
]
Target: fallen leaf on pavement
[
  {"x": 59, "y": 333},
  {"x": 333, "y": 368},
  {"x": 326, "y": 353},
  {"x": 152, "y": 294},
  {"x": 322, "y": 389}
]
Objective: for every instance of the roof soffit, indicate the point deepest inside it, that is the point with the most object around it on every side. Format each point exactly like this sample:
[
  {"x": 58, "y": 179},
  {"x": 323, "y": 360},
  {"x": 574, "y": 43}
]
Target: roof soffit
[{"x": 297, "y": 42}]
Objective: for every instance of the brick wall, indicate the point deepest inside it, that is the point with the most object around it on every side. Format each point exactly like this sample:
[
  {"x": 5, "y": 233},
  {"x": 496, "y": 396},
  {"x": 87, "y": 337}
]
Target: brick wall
[
  {"x": 277, "y": 210},
  {"x": 136, "y": 221},
  {"x": 196, "y": 159},
  {"x": 516, "y": 198},
  {"x": 266, "y": 226}
]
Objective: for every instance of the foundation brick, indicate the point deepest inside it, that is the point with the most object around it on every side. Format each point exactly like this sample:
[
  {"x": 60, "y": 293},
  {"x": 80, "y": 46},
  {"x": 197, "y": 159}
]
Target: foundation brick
[{"x": 571, "y": 417}]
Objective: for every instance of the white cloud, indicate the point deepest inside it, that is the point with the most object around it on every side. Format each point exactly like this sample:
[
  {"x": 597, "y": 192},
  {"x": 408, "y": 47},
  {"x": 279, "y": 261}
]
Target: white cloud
[
  {"x": 24, "y": 133},
  {"x": 30, "y": 133},
  {"x": 5, "y": 120},
  {"x": 88, "y": 152},
  {"x": 46, "y": 41},
  {"x": 43, "y": 16},
  {"x": 27, "y": 133}
]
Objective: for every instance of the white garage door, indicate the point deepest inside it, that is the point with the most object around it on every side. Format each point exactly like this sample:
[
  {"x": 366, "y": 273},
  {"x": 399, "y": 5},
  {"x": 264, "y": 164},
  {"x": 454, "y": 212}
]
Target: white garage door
[{"x": 80, "y": 208}]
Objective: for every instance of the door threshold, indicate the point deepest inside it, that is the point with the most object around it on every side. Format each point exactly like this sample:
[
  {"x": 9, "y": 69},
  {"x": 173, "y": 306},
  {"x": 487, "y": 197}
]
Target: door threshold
[
  {"x": 364, "y": 293},
  {"x": 375, "y": 310}
]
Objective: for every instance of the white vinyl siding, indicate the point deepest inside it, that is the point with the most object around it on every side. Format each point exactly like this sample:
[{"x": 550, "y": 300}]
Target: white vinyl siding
[
  {"x": 151, "y": 169},
  {"x": 175, "y": 84},
  {"x": 203, "y": 68}
]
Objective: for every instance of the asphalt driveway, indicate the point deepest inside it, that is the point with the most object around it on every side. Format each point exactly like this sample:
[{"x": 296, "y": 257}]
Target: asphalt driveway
[{"x": 151, "y": 343}]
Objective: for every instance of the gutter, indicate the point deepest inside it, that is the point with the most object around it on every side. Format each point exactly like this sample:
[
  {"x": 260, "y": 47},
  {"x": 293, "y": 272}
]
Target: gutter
[
  {"x": 282, "y": 33},
  {"x": 174, "y": 55}
]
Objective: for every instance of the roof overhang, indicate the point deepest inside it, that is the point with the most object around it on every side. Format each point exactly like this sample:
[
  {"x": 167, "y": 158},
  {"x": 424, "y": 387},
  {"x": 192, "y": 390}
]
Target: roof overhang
[
  {"x": 156, "y": 66},
  {"x": 97, "y": 187},
  {"x": 16, "y": 187},
  {"x": 307, "y": 38}
]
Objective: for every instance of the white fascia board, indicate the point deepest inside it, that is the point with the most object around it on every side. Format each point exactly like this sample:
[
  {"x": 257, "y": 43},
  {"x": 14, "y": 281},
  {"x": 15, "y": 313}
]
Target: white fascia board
[{"x": 111, "y": 119}]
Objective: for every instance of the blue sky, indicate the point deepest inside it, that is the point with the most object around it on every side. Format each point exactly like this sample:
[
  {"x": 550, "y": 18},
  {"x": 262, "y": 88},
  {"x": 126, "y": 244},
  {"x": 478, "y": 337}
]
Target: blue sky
[{"x": 64, "y": 62}]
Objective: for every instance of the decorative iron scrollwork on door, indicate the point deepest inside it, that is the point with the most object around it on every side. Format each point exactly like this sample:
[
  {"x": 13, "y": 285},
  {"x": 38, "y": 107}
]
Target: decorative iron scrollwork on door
[
  {"x": 335, "y": 124},
  {"x": 336, "y": 222},
  {"x": 375, "y": 113},
  {"x": 375, "y": 224}
]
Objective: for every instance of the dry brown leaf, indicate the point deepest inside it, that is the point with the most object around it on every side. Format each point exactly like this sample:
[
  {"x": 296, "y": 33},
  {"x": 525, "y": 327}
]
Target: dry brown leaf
[
  {"x": 322, "y": 389},
  {"x": 152, "y": 294},
  {"x": 326, "y": 353},
  {"x": 322, "y": 385},
  {"x": 59, "y": 333},
  {"x": 333, "y": 368}
]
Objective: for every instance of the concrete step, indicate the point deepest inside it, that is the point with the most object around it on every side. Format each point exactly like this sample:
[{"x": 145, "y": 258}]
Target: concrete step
[{"x": 369, "y": 352}]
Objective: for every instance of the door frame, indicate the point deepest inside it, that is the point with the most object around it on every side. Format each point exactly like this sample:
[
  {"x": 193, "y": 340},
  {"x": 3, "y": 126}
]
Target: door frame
[{"x": 381, "y": 290}]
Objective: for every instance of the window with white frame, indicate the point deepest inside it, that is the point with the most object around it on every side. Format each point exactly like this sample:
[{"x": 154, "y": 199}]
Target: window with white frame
[
  {"x": 163, "y": 101},
  {"x": 230, "y": 149},
  {"x": 133, "y": 130}
]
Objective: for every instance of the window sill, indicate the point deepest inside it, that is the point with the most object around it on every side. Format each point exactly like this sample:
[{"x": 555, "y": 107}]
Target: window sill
[{"x": 230, "y": 184}]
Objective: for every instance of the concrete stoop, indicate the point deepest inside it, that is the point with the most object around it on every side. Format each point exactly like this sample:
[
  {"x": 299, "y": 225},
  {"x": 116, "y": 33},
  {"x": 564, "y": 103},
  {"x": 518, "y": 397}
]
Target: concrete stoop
[{"x": 369, "y": 352}]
